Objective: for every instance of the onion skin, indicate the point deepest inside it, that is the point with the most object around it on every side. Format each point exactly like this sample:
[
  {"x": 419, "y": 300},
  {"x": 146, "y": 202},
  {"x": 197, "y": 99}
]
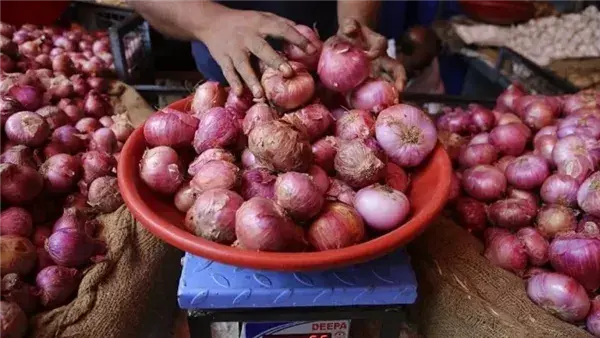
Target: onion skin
[
  {"x": 95, "y": 105},
  {"x": 13, "y": 322},
  {"x": 288, "y": 93},
  {"x": 294, "y": 53},
  {"x": 396, "y": 177},
  {"x": 280, "y": 146},
  {"x": 544, "y": 146},
  {"x": 374, "y": 96},
  {"x": 507, "y": 100},
  {"x": 406, "y": 134},
  {"x": 20, "y": 155},
  {"x": 355, "y": 124},
  {"x": 475, "y": 154},
  {"x": 527, "y": 172},
  {"x": 358, "y": 165},
  {"x": 382, "y": 207},
  {"x": 527, "y": 196},
  {"x": 54, "y": 116},
  {"x": 560, "y": 295},
  {"x": 72, "y": 247},
  {"x": 96, "y": 164},
  {"x": 484, "y": 182},
  {"x": 218, "y": 128},
  {"x": 315, "y": 118},
  {"x": 61, "y": 172},
  {"x": 27, "y": 128},
  {"x": 104, "y": 195},
  {"x": 185, "y": 197},
  {"x": 16, "y": 221},
  {"x": 57, "y": 285},
  {"x": 207, "y": 156},
  {"x": 340, "y": 191},
  {"x": 504, "y": 250},
  {"x": 298, "y": 195},
  {"x": 453, "y": 143},
  {"x": 560, "y": 189},
  {"x": 28, "y": 96},
  {"x": 338, "y": 226},
  {"x": 18, "y": 255},
  {"x": 262, "y": 225},
  {"x": 457, "y": 121},
  {"x": 588, "y": 195},
  {"x": 593, "y": 319},
  {"x": 15, "y": 290},
  {"x": 503, "y": 162},
  {"x": 577, "y": 256},
  {"x": 216, "y": 174},
  {"x": 212, "y": 216},
  {"x": 553, "y": 219},
  {"x": 208, "y": 95},
  {"x": 257, "y": 114},
  {"x": 160, "y": 169},
  {"x": 319, "y": 177},
  {"x": 170, "y": 127},
  {"x": 19, "y": 184},
  {"x": 509, "y": 139},
  {"x": 568, "y": 147},
  {"x": 482, "y": 118},
  {"x": 535, "y": 245},
  {"x": 471, "y": 215},
  {"x": 324, "y": 151},
  {"x": 69, "y": 138},
  {"x": 257, "y": 182},
  {"x": 455, "y": 190},
  {"x": 239, "y": 104},
  {"x": 512, "y": 213},
  {"x": 88, "y": 125},
  {"x": 342, "y": 66}
]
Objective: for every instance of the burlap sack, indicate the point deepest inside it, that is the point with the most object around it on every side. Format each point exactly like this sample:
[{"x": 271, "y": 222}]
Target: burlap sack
[
  {"x": 133, "y": 292},
  {"x": 462, "y": 295}
]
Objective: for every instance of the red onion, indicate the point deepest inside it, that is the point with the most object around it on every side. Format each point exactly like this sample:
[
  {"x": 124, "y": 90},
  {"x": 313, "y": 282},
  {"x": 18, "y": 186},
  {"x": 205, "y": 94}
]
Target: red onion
[
  {"x": 504, "y": 250},
  {"x": 53, "y": 116},
  {"x": 208, "y": 95},
  {"x": 560, "y": 189},
  {"x": 593, "y": 319},
  {"x": 481, "y": 138},
  {"x": 455, "y": 190},
  {"x": 80, "y": 86},
  {"x": 319, "y": 177},
  {"x": 295, "y": 53},
  {"x": 406, "y": 134},
  {"x": 19, "y": 184},
  {"x": 459, "y": 122},
  {"x": 257, "y": 114},
  {"x": 217, "y": 129},
  {"x": 161, "y": 170},
  {"x": 100, "y": 46},
  {"x": 106, "y": 121},
  {"x": 396, "y": 177},
  {"x": 355, "y": 124},
  {"x": 27, "y": 128},
  {"x": 507, "y": 100},
  {"x": 548, "y": 130},
  {"x": 185, "y": 197},
  {"x": 580, "y": 126},
  {"x": 382, "y": 207},
  {"x": 481, "y": 117},
  {"x": 484, "y": 182},
  {"x": 87, "y": 125},
  {"x": 338, "y": 226},
  {"x": 57, "y": 285},
  {"x": 96, "y": 105},
  {"x": 560, "y": 295},
  {"x": 104, "y": 139},
  {"x": 508, "y": 118},
  {"x": 544, "y": 145},
  {"x": 61, "y": 172},
  {"x": 535, "y": 245},
  {"x": 8, "y": 106},
  {"x": 122, "y": 128},
  {"x": 280, "y": 145},
  {"x": 298, "y": 194},
  {"x": 511, "y": 213},
  {"x": 104, "y": 195},
  {"x": 261, "y": 224},
  {"x": 216, "y": 174},
  {"x": 207, "y": 156},
  {"x": 539, "y": 114},
  {"x": 212, "y": 216},
  {"x": 588, "y": 195},
  {"x": 15, "y": 290},
  {"x": 72, "y": 247},
  {"x": 528, "y": 196},
  {"x": 337, "y": 113},
  {"x": 374, "y": 96},
  {"x": 6, "y": 63},
  {"x": 74, "y": 113},
  {"x": 340, "y": 191},
  {"x": 508, "y": 139},
  {"x": 473, "y": 155},
  {"x": 98, "y": 83},
  {"x": 78, "y": 201},
  {"x": 7, "y": 30},
  {"x": 62, "y": 64},
  {"x": 239, "y": 104},
  {"x": 170, "y": 127},
  {"x": 18, "y": 255},
  {"x": 288, "y": 93},
  {"x": 527, "y": 172},
  {"x": 315, "y": 118},
  {"x": 578, "y": 256},
  {"x": 578, "y": 167},
  {"x": 324, "y": 151},
  {"x": 30, "y": 49},
  {"x": 257, "y": 182},
  {"x": 357, "y": 164},
  {"x": 342, "y": 66},
  {"x": 12, "y": 320},
  {"x": 452, "y": 142},
  {"x": 11, "y": 48},
  {"x": 69, "y": 138},
  {"x": 74, "y": 218},
  {"x": 249, "y": 161},
  {"x": 96, "y": 164},
  {"x": 20, "y": 155},
  {"x": 16, "y": 221},
  {"x": 471, "y": 214},
  {"x": 553, "y": 219}
]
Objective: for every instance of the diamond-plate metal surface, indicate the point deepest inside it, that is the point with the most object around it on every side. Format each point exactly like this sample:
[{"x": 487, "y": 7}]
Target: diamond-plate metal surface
[{"x": 205, "y": 284}]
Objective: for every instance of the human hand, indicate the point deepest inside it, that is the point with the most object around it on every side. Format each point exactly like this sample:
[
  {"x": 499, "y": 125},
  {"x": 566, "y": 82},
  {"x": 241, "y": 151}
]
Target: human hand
[
  {"x": 375, "y": 46},
  {"x": 236, "y": 35}
]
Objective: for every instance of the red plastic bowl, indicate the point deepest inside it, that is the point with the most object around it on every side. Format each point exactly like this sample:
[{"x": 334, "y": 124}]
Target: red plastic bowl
[
  {"x": 430, "y": 187},
  {"x": 499, "y": 12}
]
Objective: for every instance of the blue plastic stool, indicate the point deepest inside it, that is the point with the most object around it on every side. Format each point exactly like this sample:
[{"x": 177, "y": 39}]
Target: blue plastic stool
[{"x": 216, "y": 292}]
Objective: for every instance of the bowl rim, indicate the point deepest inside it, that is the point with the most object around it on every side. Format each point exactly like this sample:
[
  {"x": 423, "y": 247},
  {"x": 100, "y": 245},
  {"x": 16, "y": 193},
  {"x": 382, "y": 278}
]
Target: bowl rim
[{"x": 279, "y": 261}]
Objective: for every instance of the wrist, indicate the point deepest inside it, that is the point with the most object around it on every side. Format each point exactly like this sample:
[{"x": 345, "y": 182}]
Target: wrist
[{"x": 212, "y": 13}]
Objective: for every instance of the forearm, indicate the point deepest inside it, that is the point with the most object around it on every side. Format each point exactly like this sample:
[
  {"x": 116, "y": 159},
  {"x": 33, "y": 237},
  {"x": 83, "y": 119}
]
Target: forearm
[
  {"x": 365, "y": 11},
  {"x": 185, "y": 20}
]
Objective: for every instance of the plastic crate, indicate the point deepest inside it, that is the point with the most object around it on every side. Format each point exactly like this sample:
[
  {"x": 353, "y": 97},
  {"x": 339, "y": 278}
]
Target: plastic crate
[{"x": 94, "y": 16}]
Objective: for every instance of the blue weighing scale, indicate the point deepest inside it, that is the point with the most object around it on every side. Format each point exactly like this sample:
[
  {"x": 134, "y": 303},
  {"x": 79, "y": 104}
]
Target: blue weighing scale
[{"x": 210, "y": 286}]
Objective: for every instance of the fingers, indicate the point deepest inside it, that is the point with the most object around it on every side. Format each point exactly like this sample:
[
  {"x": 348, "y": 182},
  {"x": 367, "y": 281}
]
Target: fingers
[
  {"x": 230, "y": 75},
  {"x": 280, "y": 28},
  {"x": 396, "y": 70},
  {"x": 242, "y": 65},
  {"x": 261, "y": 48},
  {"x": 350, "y": 27},
  {"x": 376, "y": 43}
]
